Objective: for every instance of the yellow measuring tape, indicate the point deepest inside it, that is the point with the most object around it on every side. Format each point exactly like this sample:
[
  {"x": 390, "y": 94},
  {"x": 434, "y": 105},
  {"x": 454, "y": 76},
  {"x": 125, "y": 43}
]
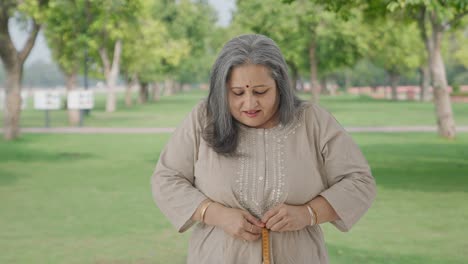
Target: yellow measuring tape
[{"x": 265, "y": 246}]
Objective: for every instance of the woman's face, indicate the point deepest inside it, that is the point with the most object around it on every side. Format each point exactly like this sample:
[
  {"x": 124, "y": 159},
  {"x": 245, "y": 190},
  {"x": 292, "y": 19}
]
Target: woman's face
[{"x": 253, "y": 96}]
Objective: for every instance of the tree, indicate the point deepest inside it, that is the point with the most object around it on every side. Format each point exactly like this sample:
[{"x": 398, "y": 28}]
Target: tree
[
  {"x": 455, "y": 54},
  {"x": 109, "y": 23},
  {"x": 308, "y": 34},
  {"x": 65, "y": 31},
  {"x": 191, "y": 23},
  {"x": 435, "y": 18},
  {"x": 365, "y": 73},
  {"x": 195, "y": 21},
  {"x": 395, "y": 47},
  {"x": 341, "y": 43},
  {"x": 13, "y": 60},
  {"x": 150, "y": 48},
  {"x": 279, "y": 22},
  {"x": 461, "y": 51}
]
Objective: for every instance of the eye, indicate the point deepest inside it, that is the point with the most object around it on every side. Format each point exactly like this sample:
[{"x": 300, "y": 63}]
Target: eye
[
  {"x": 261, "y": 92},
  {"x": 238, "y": 94}
]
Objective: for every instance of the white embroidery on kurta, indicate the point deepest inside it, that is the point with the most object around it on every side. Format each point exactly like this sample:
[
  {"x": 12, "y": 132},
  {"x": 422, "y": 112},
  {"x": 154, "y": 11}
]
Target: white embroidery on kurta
[{"x": 255, "y": 148}]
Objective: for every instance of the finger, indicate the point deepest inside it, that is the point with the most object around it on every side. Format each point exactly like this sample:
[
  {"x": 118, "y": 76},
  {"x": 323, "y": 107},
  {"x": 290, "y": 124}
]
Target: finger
[
  {"x": 280, "y": 226},
  {"x": 270, "y": 213},
  {"x": 273, "y": 220},
  {"x": 249, "y": 236},
  {"x": 253, "y": 220},
  {"x": 253, "y": 229}
]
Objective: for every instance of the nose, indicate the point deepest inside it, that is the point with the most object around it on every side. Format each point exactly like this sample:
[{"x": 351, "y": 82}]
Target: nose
[{"x": 251, "y": 101}]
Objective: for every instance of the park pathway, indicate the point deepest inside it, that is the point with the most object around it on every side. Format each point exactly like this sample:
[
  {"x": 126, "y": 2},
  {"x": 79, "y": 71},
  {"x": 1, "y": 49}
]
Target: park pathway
[{"x": 156, "y": 130}]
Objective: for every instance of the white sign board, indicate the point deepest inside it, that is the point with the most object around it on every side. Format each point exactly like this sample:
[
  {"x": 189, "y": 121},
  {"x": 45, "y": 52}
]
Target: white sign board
[
  {"x": 24, "y": 100},
  {"x": 80, "y": 99},
  {"x": 47, "y": 100}
]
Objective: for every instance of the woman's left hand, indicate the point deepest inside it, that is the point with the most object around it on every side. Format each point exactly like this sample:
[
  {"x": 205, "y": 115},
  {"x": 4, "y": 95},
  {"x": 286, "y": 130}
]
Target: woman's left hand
[{"x": 285, "y": 217}]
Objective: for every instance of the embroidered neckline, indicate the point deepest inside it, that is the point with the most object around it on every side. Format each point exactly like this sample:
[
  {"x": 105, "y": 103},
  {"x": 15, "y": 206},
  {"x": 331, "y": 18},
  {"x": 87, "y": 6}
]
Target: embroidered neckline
[{"x": 262, "y": 167}]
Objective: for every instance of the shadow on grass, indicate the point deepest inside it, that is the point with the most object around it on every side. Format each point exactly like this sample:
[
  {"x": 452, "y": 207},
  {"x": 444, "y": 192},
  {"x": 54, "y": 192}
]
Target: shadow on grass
[
  {"x": 7, "y": 177},
  {"x": 421, "y": 167},
  {"x": 339, "y": 254},
  {"x": 19, "y": 151},
  {"x": 25, "y": 154},
  {"x": 137, "y": 261}
]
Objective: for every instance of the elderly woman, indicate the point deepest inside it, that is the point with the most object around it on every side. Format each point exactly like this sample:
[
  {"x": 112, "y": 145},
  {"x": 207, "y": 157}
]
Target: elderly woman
[{"x": 254, "y": 157}]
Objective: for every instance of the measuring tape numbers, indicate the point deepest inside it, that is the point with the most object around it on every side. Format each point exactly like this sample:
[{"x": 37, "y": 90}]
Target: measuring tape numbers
[{"x": 265, "y": 246}]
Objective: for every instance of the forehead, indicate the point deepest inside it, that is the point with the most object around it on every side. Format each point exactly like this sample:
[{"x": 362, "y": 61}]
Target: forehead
[{"x": 250, "y": 74}]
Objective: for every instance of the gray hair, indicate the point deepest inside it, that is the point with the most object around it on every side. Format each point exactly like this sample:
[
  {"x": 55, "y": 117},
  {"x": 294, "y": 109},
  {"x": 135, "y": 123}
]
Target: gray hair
[{"x": 221, "y": 130}]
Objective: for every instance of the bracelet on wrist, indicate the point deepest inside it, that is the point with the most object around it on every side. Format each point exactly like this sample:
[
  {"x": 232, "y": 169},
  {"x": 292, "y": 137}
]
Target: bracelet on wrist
[
  {"x": 203, "y": 211},
  {"x": 313, "y": 215}
]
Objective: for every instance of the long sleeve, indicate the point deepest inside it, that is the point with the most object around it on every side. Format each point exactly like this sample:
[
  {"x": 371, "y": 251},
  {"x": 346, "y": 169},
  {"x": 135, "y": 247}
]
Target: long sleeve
[
  {"x": 351, "y": 186},
  {"x": 172, "y": 182}
]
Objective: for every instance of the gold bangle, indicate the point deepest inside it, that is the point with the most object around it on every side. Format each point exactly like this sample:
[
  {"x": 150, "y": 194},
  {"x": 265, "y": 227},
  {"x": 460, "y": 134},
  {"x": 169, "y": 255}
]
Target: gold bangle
[
  {"x": 203, "y": 211},
  {"x": 313, "y": 215}
]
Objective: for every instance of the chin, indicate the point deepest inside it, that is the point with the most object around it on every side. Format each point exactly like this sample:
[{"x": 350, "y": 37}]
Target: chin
[{"x": 252, "y": 124}]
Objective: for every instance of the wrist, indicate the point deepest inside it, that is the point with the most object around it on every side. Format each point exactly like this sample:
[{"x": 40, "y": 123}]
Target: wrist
[
  {"x": 312, "y": 215},
  {"x": 214, "y": 214}
]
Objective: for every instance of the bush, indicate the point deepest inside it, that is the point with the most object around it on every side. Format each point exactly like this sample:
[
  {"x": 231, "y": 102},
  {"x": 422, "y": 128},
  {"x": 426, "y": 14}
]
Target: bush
[{"x": 459, "y": 94}]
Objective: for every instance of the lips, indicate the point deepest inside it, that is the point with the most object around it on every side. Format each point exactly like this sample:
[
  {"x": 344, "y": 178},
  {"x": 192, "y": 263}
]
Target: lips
[{"x": 251, "y": 113}]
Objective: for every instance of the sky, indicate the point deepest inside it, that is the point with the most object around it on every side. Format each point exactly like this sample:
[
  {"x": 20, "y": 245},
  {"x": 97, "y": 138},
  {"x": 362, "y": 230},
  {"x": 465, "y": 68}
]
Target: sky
[
  {"x": 224, "y": 8},
  {"x": 42, "y": 52}
]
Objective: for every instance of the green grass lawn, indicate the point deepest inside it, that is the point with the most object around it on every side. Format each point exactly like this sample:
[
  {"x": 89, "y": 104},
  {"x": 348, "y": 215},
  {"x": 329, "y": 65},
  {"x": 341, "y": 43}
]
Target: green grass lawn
[
  {"x": 169, "y": 112},
  {"x": 86, "y": 199},
  {"x": 365, "y": 111}
]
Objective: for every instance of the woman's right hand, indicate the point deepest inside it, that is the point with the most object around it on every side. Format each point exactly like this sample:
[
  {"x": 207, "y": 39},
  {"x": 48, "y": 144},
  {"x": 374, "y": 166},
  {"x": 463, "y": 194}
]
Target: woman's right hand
[{"x": 236, "y": 222}]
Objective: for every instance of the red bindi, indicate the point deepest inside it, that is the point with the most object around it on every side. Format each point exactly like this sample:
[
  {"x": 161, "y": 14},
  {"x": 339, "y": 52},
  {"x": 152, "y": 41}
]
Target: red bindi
[{"x": 247, "y": 86}]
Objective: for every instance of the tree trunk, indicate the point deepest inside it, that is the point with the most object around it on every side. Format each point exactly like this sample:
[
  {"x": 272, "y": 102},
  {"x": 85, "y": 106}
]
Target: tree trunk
[
  {"x": 12, "y": 110},
  {"x": 347, "y": 82},
  {"x": 424, "y": 82},
  {"x": 186, "y": 87},
  {"x": 129, "y": 91},
  {"x": 387, "y": 92},
  {"x": 394, "y": 80},
  {"x": 144, "y": 93},
  {"x": 443, "y": 105},
  {"x": 111, "y": 100},
  {"x": 128, "y": 95},
  {"x": 177, "y": 87},
  {"x": 333, "y": 87},
  {"x": 13, "y": 61},
  {"x": 156, "y": 92},
  {"x": 314, "y": 83},
  {"x": 294, "y": 75},
  {"x": 168, "y": 87},
  {"x": 323, "y": 86},
  {"x": 73, "y": 114},
  {"x": 111, "y": 72}
]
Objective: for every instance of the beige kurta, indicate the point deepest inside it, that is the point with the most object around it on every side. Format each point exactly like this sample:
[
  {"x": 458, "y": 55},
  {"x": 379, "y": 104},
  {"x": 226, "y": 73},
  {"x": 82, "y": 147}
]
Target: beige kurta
[{"x": 292, "y": 164}]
